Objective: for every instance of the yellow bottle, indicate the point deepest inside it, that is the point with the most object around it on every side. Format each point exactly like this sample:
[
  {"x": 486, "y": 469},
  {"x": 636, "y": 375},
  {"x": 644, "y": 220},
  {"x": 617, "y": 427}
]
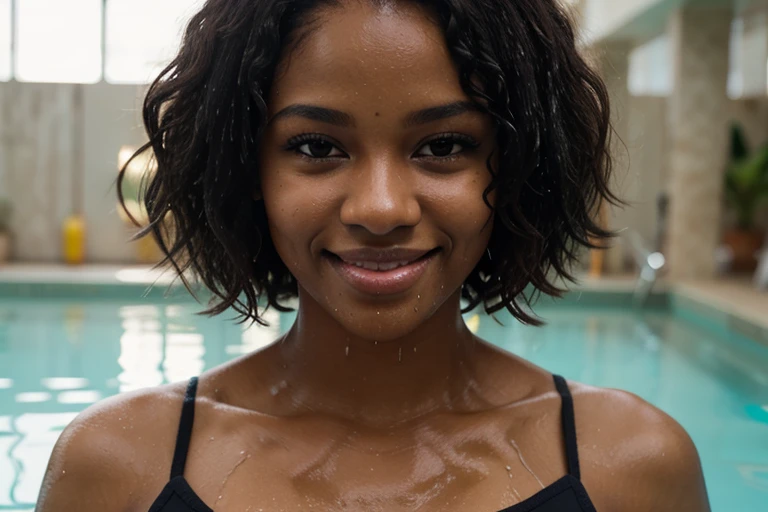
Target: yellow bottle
[{"x": 73, "y": 236}]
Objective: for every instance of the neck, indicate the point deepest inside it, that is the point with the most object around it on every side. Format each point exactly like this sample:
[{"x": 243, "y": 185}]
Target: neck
[{"x": 329, "y": 370}]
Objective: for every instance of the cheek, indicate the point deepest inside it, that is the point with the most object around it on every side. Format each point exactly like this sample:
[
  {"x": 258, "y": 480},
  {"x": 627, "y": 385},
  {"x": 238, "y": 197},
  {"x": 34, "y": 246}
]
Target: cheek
[
  {"x": 298, "y": 210},
  {"x": 289, "y": 215},
  {"x": 465, "y": 217}
]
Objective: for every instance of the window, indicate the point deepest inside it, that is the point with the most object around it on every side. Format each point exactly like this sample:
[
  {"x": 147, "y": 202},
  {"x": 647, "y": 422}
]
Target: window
[
  {"x": 5, "y": 40},
  {"x": 58, "y": 41},
  {"x": 749, "y": 53},
  {"x": 143, "y": 36},
  {"x": 735, "y": 58},
  {"x": 650, "y": 69},
  {"x": 650, "y": 64}
]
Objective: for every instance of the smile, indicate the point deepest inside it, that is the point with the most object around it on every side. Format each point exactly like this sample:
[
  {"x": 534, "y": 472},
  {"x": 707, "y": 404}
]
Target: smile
[
  {"x": 372, "y": 265},
  {"x": 381, "y": 272}
]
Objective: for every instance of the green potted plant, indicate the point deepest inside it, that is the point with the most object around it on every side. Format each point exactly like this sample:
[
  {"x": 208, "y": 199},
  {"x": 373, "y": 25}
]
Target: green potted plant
[
  {"x": 746, "y": 187},
  {"x": 5, "y": 229}
]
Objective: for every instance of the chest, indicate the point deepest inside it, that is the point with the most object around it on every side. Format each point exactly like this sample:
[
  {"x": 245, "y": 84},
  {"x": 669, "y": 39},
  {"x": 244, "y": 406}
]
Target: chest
[{"x": 456, "y": 466}]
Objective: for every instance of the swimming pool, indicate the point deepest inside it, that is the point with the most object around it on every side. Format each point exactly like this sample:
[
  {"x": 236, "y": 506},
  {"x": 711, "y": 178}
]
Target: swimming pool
[{"x": 58, "y": 355}]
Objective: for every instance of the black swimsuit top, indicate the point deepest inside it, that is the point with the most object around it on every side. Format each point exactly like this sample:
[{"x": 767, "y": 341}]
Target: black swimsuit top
[{"x": 565, "y": 495}]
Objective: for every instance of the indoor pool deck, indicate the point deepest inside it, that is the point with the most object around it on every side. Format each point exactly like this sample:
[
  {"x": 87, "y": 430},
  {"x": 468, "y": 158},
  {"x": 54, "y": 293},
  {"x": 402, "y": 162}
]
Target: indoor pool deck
[{"x": 734, "y": 299}]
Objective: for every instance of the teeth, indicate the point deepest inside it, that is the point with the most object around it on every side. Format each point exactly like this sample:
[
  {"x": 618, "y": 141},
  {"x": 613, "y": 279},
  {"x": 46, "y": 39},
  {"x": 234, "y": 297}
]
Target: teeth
[{"x": 372, "y": 265}]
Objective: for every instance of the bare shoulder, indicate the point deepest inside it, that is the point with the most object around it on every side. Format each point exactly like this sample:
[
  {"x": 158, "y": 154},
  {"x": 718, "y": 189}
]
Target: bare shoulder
[
  {"x": 635, "y": 455},
  {"x": 112, "y": 451}
]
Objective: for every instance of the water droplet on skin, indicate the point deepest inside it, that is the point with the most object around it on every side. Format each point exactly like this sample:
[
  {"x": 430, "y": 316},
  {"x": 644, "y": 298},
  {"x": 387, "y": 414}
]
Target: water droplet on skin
[
  {"x": 346, "y": 351},
  {"x": 416, "y": 310},
  {"x": 418, "y": 297},
  {"x": 378, "y": 312},
  {"x": 525, "y": 465},
  {"x": 509, "y": 468},
  {"x": 211, "y": 439},
  {"x": 414, "y": 349}
]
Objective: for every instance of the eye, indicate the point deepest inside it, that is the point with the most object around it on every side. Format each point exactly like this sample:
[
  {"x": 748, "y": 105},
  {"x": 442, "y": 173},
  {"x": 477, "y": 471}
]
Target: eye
[
  {"x": 313, "y": 147},
  {"x": 317, "y": 147},
  {"x": 448, "y": 146}
]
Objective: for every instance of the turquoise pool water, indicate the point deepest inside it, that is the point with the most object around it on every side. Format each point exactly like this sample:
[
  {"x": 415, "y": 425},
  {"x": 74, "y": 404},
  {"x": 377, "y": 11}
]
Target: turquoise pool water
[{"x": 57, "y": 356}]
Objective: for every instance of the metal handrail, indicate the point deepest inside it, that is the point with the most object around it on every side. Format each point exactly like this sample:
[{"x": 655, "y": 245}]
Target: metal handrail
[{"x": 649, "y": 263}]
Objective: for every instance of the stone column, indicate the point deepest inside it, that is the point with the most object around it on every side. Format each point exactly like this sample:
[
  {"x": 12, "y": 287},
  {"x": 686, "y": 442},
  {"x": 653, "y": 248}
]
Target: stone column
[
  {"x": 699, "y": 41},
  {"x": 614, "y": 68}
]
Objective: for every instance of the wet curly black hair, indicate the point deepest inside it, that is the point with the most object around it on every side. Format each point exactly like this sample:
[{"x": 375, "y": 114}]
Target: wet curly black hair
[{"x": 518, "y": 61}]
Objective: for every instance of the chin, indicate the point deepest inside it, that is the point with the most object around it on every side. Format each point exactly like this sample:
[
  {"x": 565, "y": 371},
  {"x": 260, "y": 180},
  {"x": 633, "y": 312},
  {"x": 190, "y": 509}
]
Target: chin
[
  {"x": 382, "y": 324},
  {"x": 382, "y": 331}
]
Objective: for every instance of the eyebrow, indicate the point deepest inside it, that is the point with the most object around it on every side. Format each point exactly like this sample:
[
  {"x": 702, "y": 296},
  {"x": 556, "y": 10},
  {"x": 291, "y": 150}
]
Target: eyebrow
[{"x": 344, "y": 120}]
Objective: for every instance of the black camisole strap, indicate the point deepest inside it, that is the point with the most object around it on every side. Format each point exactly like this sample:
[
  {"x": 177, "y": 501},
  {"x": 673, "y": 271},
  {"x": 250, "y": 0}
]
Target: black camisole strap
[
  {"x": 185, "y": 430},
  {"x": 569, "y": 427}
]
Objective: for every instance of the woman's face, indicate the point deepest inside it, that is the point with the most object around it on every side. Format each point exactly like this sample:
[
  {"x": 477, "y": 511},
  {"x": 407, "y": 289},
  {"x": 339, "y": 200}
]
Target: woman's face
[{"x": 374, "y": 159}]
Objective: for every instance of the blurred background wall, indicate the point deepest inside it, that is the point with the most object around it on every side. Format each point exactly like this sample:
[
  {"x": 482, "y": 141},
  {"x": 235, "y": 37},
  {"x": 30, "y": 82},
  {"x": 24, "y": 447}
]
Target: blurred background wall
[
  {"x": 49, "y": 131},
  {"x": 679, "y": 73},
  {"x": 73, "y": 74}
]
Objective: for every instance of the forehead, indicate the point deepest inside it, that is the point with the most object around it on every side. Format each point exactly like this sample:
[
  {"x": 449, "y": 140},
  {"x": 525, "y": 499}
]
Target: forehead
[{"x": 357, "y": 51}]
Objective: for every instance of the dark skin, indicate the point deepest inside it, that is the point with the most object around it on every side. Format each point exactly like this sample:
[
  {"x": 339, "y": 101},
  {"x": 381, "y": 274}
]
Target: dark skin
[{"x": 369, "y": 402}]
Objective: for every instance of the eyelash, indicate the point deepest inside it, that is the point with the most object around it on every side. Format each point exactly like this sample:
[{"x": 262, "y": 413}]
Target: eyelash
[{"x": 294, "y": 143}]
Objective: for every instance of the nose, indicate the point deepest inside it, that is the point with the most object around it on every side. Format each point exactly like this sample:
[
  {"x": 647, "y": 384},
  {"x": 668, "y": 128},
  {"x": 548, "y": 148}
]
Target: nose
[{"x": 380, "y": 198}]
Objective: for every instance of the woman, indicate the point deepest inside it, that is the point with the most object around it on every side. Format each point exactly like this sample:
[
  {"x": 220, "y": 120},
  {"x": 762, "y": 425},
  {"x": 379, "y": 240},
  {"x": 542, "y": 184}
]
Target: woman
[{"x": 381, "y": 160}]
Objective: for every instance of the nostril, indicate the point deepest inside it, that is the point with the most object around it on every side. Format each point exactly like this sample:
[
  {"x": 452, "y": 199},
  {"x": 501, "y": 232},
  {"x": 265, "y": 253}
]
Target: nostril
[
  {"x": 380, "y": 212},
  {"x": 329, "y": 254}
]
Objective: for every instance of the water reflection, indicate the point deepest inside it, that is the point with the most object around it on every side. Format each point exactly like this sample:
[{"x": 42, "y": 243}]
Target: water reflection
[
  {"x": 61, "y": 383},
  {"x": 755, "y": 476},
  {"x": 33, "y": 397},
  {"x": 28, "y": 440},
  {"x": 141, "y": 348},
  {"x": 79, "y": 397},
  {"x": 183, "y": 356}
]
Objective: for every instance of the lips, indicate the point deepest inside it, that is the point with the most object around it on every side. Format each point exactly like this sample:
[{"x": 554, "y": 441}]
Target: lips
[{"x": 381, "y": 271}]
